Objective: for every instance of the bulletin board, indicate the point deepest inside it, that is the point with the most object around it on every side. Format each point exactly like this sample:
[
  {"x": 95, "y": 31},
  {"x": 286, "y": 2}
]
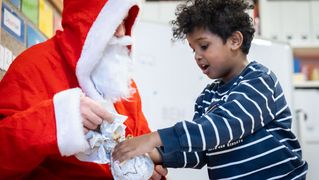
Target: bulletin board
[
  {"x": 12, "y": 36},
  {"x": 1, "y": 71},
  {"x": 24, "y": 23},
  {"x": 13, "y": 30}
]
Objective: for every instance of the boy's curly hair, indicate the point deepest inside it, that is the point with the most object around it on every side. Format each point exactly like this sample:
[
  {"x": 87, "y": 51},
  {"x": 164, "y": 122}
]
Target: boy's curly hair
[{"x": 221, "y": 17}]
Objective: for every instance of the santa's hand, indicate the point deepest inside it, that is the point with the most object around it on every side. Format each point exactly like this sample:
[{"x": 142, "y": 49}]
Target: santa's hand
[
  {"x": 93, "y": 113},
  {"x": 136, "y": 146}
]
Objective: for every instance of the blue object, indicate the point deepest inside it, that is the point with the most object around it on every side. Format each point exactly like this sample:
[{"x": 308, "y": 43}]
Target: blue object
[
  {"x": 33, "y": 36},
  {"x": 297, "y": 66},
  {"x": 12, "y": 23},
  {"x": 16, "y": 3}
]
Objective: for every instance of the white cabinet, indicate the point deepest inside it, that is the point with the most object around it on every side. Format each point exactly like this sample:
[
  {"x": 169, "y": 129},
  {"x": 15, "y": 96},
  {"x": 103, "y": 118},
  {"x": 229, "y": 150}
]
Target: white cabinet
[
  {"x": 306, "y": 103},
  {"x": 296, "y": 22},
  {"x": 315, "y": 19},
  {"x": 271, "y": 19}
]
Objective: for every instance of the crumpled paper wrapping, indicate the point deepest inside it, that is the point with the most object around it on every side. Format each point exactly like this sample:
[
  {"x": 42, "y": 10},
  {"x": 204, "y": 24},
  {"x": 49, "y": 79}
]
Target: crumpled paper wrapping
[
  {"x": 103, "y": 142},
  {"x": 138, "y": 168}
]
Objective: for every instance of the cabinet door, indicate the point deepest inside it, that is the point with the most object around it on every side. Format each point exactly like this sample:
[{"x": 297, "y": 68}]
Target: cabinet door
[
  {"x": 315, "y": 21},
  {"x": 296, "y": 22},
  {"x": 307, "y": 101},
  {"x": 271, "y": 19}
]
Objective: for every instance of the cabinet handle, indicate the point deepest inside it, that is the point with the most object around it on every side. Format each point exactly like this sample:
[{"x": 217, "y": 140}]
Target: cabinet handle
[{"x": 301, "y": 111}]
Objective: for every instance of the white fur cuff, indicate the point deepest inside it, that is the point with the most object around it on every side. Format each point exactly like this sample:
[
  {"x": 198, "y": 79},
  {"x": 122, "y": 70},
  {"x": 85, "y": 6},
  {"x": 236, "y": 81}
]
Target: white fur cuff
[{"x": 70, "y": 135}]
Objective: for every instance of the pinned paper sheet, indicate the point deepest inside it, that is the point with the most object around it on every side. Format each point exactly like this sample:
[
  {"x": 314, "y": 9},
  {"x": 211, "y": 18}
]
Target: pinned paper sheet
[
  {"x": 7, "y": 58},
  {"x": 1, "y": 57}
]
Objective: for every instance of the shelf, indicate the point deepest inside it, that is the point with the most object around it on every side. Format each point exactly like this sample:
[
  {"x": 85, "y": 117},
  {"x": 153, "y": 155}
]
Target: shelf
[
  {"x": 306, "y": 84},
  {"x": 311, "y": 52}
]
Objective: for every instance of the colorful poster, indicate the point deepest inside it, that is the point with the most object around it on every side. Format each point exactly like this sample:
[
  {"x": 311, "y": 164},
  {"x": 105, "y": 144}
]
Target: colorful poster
[
  {"x": 33, "y": 36},
  {"x": 12, "y": 23},
  {"x": 45, "y": 18},
  {"x": 16, "y": 3},
  {"x": 30, "y": 9}
]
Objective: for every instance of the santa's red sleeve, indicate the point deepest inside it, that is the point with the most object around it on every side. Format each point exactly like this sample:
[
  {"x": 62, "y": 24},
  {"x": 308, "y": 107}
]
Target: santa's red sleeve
[
  {"x": 27, "y": 130},
  {"x": 31, "y": 123}
]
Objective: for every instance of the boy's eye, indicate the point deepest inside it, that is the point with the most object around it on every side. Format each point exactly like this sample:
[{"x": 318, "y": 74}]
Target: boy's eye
[{"x": 204, "y": 47}]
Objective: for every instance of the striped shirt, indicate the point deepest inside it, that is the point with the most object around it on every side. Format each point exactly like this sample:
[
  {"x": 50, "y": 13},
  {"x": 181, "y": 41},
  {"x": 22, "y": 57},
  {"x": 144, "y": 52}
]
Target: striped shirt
[{"x": 240, "y": 130}]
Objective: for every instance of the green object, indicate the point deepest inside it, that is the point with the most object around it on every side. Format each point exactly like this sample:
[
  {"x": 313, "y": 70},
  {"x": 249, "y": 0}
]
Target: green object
[{"x": 30, "y": 8}]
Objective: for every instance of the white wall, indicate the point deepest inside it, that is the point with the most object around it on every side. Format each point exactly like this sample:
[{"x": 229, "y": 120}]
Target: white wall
[{"x": 160, "y": 12}]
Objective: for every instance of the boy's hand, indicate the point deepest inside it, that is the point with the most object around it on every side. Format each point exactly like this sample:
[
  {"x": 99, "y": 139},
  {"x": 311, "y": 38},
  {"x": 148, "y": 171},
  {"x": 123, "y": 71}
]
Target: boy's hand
[
  {"x": 159, "y": 173},
  {"x": 93, "y": 113},
  {"x": 136, "y": 146}
]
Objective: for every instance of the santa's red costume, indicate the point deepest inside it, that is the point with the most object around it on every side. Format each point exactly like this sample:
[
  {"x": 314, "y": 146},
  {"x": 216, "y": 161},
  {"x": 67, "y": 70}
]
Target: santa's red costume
[{"x": 40, "y": 122}]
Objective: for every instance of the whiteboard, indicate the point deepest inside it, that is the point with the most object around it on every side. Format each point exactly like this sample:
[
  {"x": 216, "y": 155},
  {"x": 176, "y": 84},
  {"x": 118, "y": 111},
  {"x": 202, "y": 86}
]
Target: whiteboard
[
  {"x": 169, "y": 79},
  {"x": 278, "y": 57}
]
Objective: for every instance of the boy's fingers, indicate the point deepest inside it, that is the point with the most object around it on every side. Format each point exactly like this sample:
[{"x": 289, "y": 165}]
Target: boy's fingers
[
  {"x": 121, "y": 153},
  {"x": 156, "y": 176},
  {"x": 161, "y": 170}
]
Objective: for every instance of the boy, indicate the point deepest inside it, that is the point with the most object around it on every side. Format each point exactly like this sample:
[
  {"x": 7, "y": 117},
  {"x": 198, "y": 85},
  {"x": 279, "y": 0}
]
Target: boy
[
  {"x": 241, "y": 126},
  {"x": 43, "y": 112}
]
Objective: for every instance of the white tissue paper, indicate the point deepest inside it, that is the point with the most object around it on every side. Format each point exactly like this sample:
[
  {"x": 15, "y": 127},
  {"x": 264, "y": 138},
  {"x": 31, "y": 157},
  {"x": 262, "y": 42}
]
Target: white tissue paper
[
  {"x": 102, "y": 144},
  {"x": 138, "y": 168}
]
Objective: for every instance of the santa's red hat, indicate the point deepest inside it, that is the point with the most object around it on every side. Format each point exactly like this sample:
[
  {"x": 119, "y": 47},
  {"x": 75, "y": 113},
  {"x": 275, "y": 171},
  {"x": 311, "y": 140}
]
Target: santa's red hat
[{"x": 88, "y": 27}]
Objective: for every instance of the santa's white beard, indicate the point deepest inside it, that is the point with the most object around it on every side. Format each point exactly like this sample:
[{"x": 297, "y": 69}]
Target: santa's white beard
[{"x": 112, "y": 76}]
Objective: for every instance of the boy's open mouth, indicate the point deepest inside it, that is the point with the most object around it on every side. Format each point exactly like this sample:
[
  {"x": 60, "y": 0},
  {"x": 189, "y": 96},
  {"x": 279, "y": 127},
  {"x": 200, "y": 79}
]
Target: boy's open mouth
[{"x": 204, "y": 67}]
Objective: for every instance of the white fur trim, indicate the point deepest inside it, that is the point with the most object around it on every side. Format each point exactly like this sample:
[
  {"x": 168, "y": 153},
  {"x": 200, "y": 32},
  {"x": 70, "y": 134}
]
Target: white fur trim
[
  {"x": 102, "y": 30},
  {"x": 69, "y": 125}
]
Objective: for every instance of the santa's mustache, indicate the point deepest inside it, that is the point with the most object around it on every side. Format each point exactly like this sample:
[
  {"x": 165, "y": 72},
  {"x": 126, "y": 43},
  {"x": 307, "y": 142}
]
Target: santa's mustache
[{"x": 124, "y": 41}]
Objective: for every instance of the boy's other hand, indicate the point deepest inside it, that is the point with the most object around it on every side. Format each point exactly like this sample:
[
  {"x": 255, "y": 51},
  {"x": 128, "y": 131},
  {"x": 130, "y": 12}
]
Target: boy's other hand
[{"x": 159, "y": 173}]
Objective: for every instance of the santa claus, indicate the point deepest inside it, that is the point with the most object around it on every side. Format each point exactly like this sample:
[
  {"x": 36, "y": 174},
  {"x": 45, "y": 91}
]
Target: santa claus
[{"x": 51, "y": 94}]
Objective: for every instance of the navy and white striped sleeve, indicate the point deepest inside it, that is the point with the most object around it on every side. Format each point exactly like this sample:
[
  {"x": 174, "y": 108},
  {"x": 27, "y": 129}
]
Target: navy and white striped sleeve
[
  {"x": 249, "y": 106},
  {"x": 195, "y": 160}
]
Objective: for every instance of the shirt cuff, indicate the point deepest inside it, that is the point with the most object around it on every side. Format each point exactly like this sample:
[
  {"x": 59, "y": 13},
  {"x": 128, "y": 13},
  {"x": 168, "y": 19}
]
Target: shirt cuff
[{"x": 169, "y": 139}]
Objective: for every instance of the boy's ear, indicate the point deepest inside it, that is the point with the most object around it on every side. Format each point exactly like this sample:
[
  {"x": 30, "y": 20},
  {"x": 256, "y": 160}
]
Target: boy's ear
[{"x": 236, "y": 40}]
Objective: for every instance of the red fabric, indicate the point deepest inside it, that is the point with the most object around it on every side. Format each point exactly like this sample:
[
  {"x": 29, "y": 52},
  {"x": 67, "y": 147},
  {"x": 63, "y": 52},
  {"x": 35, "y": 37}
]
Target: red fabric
[{"x": 27, "y": 122}]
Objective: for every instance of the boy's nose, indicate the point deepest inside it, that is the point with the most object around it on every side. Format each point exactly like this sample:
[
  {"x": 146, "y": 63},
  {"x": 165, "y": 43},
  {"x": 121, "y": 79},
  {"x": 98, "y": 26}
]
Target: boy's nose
[
  {"x": 197, "y": 57},
  {"x": 120, "y": 31}
]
